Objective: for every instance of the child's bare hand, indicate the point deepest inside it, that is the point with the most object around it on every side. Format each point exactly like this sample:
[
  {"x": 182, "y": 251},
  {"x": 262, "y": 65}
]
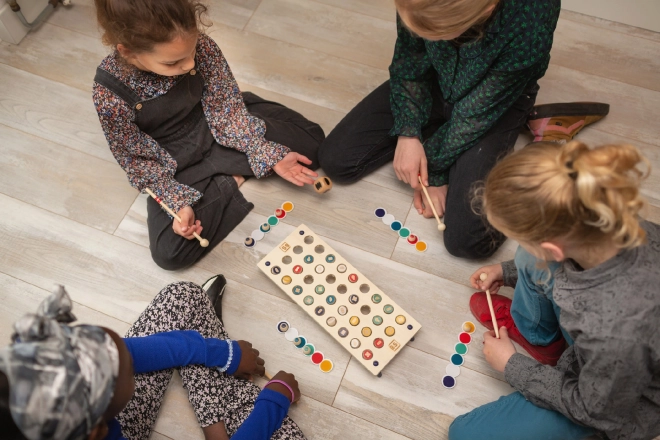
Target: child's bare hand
[
  {"x": 494, "y": 278},
  {"x": 498, "y": 351},
  {"x": 290, "y": 169},
  {"x": 188, "y": 225},
  {"x": 290, "y": 379},
  {"x": 251, "y": 364},
  {"x": 410, "y": 161},
  {"x": 437, "y": 194}
]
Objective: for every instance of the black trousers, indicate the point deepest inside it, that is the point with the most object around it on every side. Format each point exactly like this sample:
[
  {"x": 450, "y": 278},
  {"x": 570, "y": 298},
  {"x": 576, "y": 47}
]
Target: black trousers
[
  {"x": 361, "y": 143},
  {"x": 222, "y": 206}
]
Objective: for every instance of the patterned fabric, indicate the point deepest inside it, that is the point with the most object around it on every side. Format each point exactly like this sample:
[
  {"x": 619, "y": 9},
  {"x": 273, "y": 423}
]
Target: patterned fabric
[
  {"x": 145, "y": 162},
  {"x": 61, "y": 378},
  {"x": 482, "y": 79},
  {"x": 214, "y": 396}
]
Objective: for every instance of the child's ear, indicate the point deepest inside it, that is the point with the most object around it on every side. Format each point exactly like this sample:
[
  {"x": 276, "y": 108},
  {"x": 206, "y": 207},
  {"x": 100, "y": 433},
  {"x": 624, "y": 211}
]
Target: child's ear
[
  {"x": 554, "y": 249},
  {"x": 124, "y": 51}
]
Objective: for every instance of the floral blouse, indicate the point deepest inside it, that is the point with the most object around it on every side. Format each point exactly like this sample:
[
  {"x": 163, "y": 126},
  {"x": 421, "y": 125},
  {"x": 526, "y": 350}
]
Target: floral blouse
[
  {"x": 146, "y": 163},
  {"x": 482, "y": 78}
]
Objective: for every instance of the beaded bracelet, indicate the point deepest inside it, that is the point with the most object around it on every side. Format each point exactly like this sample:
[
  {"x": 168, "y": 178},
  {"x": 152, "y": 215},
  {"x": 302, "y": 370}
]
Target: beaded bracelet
[
  {"x": 229, "y": 358},
  {"x": 293, "y": 396}
]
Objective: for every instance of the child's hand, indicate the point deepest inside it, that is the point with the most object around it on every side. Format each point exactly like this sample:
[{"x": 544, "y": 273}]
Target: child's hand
[
  {"x": 188, "y": 225},
  {"x": 290, "y": 169},
  {"x": 290, "y": 379},
  {"x": 437, "y": 194},
  {"x": 410, "y": 161},
  {"x": 251, "y": 364},
  {"x": 498, "y": 351},
  {"x": 494, "y": 278}
]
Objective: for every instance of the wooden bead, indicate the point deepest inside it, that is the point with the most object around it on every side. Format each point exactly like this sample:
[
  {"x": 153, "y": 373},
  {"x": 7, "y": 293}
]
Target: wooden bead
[{"x": 322, "y": 185}]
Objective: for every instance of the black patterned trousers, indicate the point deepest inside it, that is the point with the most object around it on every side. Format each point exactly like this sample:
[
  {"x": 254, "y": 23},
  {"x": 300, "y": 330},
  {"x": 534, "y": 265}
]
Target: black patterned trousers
[{"x": 214, "y": 396}]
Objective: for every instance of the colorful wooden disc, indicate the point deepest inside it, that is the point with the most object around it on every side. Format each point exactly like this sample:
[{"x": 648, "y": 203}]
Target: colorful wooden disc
[
  {"x": 376, "y": 298},
  {"x": 367, "y": 354},
  {"x": 330, "y": 258},
  {"x": 280, "y": 213},
  {"x": 308, "y": 349},
  {"x": 257, "y": 234},
  {"x": 297, "y": 290},
  {"x": 287, "y": 206},
  {"x": 342, "y": 332},
  {"x": 377, "y": 320},
  {"x": 400, "y": 319},
  {"x": 355, "y": 343},
  {"x": 469, "y": 327},
  {"x": 319, "y": 268},
  {"x": 465, "y": 338},
  {"x": 388, "y": 308},
  {"x": 273, "y": 221},
  {"x": 300, "y": 341},
  {"x": 404, "y": 232},
  {"x": 297, "y": 269},
  {"x": 249, "y": 242},
  {"x": 396, "y": 225},
  {"x": 286, "y": 279},
  {"x": 380, "y": 212},
  {"x": 283, "y": 326},
  {"x": 421, "y": 246},
  {"x": 308, "y": 300},
  {"x": 379, "y": 343},
  {"x": 448, "y": 382},
  {"x": 317, "y": 358},
  {"x": 412, "y": 239},
  {"x": 331, "y": 321},
  {"x": 388, "y": 219},
  {"x": 331, "y": 299},
  {"x": 265, "y": 228},
  {"x": 457, "y": 359},
  {"x": 453, "y": 370},
  {"x": 326, "y": 366},
  {"x": 354, "y": 320},
  {"x": 389, "y": 331},
  {"x": 461, "y": 348},
  {"x": 353, "y": 278},
  {"x": 366, "y": 332}
]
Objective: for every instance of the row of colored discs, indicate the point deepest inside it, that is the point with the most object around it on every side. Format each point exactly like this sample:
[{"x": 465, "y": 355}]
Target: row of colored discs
[
  {"x": 398, "y": 227},
  {"x": 458, "y": 358},
  {"x": 308, "y": 349},
  {"x": 273, "y": 220}
]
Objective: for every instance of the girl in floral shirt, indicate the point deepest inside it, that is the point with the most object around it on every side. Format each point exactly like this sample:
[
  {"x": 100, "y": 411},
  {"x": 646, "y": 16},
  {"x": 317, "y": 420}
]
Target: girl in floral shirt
[{"x": 178, "y": 124}]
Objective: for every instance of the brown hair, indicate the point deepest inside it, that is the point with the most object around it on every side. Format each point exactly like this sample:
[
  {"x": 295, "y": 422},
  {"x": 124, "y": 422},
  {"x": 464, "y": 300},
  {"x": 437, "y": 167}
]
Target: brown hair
[
  {"x": 547, "y": 191},
  {"x": 140, "y": 24},
  {"x": 438, "y": 19}
]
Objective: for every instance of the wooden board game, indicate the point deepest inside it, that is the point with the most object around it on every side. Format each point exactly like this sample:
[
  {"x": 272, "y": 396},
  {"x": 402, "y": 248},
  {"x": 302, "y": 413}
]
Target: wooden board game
[{"x": 362, "y": 318}]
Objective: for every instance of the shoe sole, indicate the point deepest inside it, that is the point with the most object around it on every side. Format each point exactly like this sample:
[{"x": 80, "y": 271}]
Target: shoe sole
[{"x": 569, "y": 109}]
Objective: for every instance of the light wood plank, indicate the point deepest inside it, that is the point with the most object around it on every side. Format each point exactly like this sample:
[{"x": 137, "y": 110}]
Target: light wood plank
[
  {"x": 327, "y": 29},
  {"x": 410, "y": 399},
  {"x": 386, "y": 177},
  {"x": 375, "y": 8},
  {"x": 607, "y": 53},
  {"x": 64, "y": 181},
  {"x": 18, "y": 298},
  {"x": 52, "y": 111},
  {"x": 609, "y": 25},
  {"x": 632, "y": 111},
  {"x": 297, "y": 72},
  {"x": 177, "y": 417},
  {"x": 100, "y": 271}
]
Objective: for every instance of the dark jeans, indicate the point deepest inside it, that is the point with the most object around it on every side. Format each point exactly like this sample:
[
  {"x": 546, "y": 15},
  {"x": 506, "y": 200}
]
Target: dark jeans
[
  {"x": 222, "y": 206},
  {"x": 361, "y": 143}
]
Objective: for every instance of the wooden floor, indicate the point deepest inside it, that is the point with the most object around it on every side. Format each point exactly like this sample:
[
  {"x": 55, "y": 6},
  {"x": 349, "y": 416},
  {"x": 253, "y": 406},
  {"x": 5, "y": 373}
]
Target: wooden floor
[{"x": 70, "y": 216}]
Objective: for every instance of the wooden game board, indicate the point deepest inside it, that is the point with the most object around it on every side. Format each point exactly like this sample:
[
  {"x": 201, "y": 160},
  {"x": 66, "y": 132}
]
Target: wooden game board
[{"x": 362, "y": 318}]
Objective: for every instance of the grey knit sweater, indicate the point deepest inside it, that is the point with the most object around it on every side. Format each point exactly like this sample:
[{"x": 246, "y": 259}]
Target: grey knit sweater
[{"x": 609, "y": 379}]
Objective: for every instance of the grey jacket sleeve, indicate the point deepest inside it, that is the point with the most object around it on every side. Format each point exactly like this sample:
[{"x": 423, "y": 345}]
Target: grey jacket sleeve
[
  {"x": 604, "y": 394},
  {"x": 510, "y": 273}
]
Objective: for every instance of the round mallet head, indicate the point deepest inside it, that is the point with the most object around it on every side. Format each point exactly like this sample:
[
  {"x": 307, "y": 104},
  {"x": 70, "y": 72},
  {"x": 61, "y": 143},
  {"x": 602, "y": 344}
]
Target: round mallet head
[
  {"x": 441, "y": 227},
  {"x": 204, "y": 242},
  {"x": 483, "y": 276}
]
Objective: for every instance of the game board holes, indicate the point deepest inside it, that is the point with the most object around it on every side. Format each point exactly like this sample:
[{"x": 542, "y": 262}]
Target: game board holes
[
  {"x": 331, "y": 321},
  {"x": 388, "y": 308},
  {"x": 319, "y": 269},
  {"x": 377, "y": 320},
  {"x": 308, "y": 279},
  {"x": 341, "y": 268},
  {"x": 366, "y": 332},
  {"x": 297, "y": 290},
  {"x": 297, "y": 249},
  {"x": 354, "y": 321},
  {"x": 330, "y": 258},
  {"x": 309, "y": 239},
  {"x": 330, "y": 279},
  {"x": 400, "y": 319},
  {"x": 376, "y": 298},
  {"x": 353, "y": 278},
  {"x": 331, "y": 299},
  {"x": 342, "y": 288},
  {"x": 343, "y": 332},
  {"x": 364, "y": 288},
  {"x": 342, "y": 310},
  {"x": 365, "y": 310},
  {"x": 286, "y": 279},
  {"x": 389, "y": 331},
  {"x": 353, "y": 299},
  {"x": 308, "y": 300},
  {"x": 367, "y": 355},
  {"x": 308, "y": 259},
  {"x": 276, "y": 270},
  {"x": 320, "y": 311},
  {"x": 319, "y": 249},
  {"x": 287, "y": 259},
  {"x": 320, "y": 289},
  {"x": 297, "y": 269},
  {"x": 355, "y": 343},
  {"x": 379, "y": 343}
]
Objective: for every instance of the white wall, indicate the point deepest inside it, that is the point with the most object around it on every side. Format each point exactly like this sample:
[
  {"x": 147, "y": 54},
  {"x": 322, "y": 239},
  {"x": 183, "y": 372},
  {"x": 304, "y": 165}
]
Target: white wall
[{"x": 640, "y": 13}]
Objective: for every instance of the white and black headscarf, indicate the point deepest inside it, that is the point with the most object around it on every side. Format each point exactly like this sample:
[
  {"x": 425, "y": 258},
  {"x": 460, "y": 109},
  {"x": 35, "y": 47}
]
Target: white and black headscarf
[{"x": 61, "y": 377}]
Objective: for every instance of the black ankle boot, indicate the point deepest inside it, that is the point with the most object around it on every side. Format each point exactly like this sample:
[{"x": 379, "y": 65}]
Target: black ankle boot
[{"x": 215, "y": 288}]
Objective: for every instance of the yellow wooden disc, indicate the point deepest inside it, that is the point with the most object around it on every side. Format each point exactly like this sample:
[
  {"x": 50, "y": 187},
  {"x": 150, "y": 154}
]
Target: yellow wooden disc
[
  {"x": 287, "y": 206},
  {"x": 366, "y": 332},
  {"x": 326, "y": 365},
  {"x": 389, "y": 331},
  {"x": 354, "y": 320},
  {"x": 286, "y": 279},
  {"x": 469, "y": 327},
  {"x": 400, "y": 319}
]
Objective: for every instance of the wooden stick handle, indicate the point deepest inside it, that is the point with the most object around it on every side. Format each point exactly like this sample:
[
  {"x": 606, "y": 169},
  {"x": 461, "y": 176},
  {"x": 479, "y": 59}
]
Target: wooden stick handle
[
  {"x": 483, "y": 277},
  {"x": 441, "y": 226},
  {"x": 202, "y": 241}
]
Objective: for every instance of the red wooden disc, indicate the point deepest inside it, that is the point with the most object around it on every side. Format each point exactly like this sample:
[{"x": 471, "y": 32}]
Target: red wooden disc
[
  {"x": 280, "y": 213},
  {"x": 465, "y": 338},
  {"x": 317, "y": 358}
]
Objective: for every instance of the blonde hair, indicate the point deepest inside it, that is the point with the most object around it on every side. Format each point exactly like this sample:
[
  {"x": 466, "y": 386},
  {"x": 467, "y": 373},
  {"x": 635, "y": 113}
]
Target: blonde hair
[
  {"x": 585, "y": 196},
  {"x": 438, "y": 19}
]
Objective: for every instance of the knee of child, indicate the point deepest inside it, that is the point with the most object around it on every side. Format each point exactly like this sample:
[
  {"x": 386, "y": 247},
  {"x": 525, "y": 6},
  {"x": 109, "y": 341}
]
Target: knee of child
[
  {"x": 458, "y": 246},
  {"x": 334, "y": 167},
  {"x": 169, "y": 261},
  {"x": 460, "y": 429}
]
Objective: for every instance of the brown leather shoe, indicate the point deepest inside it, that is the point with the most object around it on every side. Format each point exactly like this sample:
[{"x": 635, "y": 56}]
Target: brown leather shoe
[{"x": 561, "y": 122}]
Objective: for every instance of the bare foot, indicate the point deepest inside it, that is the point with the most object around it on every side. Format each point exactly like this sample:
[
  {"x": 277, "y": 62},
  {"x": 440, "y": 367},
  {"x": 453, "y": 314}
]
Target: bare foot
[{"x": 239, "y": 180}]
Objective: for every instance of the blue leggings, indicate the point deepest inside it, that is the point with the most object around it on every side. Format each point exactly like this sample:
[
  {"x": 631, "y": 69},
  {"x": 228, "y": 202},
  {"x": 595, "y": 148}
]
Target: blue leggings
[{"x": 513, "y": 417}]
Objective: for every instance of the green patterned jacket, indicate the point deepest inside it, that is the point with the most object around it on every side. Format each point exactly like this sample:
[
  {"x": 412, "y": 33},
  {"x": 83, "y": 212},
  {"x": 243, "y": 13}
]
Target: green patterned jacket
[{"x": 482, "y": 79}]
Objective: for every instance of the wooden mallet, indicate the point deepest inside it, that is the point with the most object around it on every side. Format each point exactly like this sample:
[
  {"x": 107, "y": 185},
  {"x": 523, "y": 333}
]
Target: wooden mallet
[
  {"x": 202, "y": 241},
  {"x": 483, "y": 277},
  {"x": 441, "y": 226}
]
